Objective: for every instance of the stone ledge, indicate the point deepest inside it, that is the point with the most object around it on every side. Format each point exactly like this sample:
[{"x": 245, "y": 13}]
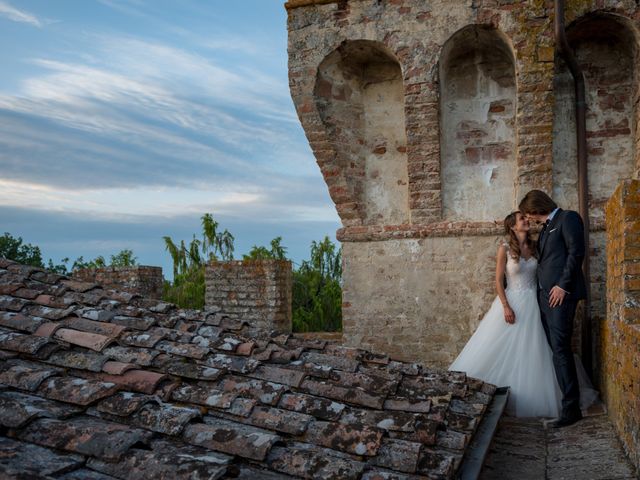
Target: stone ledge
[{"x": 376, "y": 233}]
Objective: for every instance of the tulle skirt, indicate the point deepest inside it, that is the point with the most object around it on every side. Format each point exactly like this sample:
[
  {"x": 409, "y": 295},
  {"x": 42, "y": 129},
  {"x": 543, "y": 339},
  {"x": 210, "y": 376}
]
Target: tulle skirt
[{"x": 514, "y": 355}]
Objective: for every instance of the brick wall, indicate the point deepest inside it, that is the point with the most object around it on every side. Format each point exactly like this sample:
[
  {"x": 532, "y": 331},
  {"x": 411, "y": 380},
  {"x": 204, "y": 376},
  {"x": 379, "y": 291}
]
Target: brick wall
[
  {"x": 487, "y": 114},
  {"x": 143, "y": 280},
  {"x": 255, "y": 291},
  {"x": 620, "y": 337}
]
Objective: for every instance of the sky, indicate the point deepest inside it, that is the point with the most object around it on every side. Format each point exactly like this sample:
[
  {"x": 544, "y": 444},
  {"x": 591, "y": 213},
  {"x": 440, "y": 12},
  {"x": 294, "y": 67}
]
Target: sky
[{"x": 122, "y": 121}]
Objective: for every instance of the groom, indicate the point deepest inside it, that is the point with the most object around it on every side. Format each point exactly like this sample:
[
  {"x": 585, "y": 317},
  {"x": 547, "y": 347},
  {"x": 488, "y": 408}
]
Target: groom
[{"x": 561, "y": 284}]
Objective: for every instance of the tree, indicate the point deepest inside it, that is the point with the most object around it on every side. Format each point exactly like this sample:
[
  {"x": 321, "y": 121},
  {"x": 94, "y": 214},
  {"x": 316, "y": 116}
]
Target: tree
[
  {"x": 14, "y": 249},
  {"x": 317, "y": 291},
  {"x": 188, "y": 287},
  {"x": 276, "y": 252}
]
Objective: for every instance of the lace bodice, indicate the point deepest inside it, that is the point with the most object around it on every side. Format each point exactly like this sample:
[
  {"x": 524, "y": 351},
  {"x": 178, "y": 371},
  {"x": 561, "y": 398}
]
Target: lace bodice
[{"x": 521, "y": 275}]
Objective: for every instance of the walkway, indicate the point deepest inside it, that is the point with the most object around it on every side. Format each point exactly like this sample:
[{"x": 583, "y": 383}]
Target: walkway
[{"x": 524, "y": 449}]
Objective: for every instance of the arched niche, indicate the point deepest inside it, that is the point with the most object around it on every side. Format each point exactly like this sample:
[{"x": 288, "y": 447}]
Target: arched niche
[
  {"x": 359, "y": 94},
  {"x": 606, "y": 48},
  {"x": 477, "y": 125}
]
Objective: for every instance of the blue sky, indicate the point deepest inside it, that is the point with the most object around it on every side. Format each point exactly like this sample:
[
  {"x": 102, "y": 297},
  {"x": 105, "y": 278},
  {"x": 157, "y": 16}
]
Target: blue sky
[{"x": 125, "y": 120}]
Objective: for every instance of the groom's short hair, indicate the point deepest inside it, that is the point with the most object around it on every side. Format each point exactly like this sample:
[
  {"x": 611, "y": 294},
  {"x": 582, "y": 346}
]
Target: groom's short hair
[{"x": 538, "y": 203}]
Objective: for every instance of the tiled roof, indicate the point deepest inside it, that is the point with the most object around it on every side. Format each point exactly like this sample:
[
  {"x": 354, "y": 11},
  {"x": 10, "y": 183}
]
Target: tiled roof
[{"x": 100, "y": 384}]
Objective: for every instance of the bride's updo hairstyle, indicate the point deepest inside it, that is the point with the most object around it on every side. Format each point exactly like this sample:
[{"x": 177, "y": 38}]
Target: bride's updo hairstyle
[{"x": 514, "y": 244}]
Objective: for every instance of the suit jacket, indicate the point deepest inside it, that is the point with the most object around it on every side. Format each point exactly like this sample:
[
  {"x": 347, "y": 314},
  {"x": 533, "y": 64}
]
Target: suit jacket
[{"x": 560, "y": 254}]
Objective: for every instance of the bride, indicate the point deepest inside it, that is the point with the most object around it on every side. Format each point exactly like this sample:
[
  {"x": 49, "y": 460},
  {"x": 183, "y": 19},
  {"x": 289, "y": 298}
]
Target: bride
[{"x": 509, "y": 348}]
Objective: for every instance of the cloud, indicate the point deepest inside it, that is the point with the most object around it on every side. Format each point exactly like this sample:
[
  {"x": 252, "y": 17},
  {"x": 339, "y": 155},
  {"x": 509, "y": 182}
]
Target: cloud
[
  {"x": 149, "y": 114},
  {"x": 13, "y": 14}
]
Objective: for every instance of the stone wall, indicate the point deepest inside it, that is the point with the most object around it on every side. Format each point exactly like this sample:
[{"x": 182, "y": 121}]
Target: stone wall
[
  {"x": 487, "y": 116},
  {"x": 620, "y": 344},
  {"x": 142, "y": 280},
  {"x": 255, "y": 291}
]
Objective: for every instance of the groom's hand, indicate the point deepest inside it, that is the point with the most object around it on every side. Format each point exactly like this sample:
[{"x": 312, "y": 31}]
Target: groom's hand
[{"x": 556, "y": 296}]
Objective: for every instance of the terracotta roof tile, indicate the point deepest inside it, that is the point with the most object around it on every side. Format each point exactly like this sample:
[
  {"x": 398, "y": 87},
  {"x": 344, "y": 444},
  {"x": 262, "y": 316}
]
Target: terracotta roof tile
[
  {"x": 91, "y": 326},
  {"x": 369, "y": 383},
  {"x": 215, "y": 398},
  {"x": 47, "y": 329},
  {"x": 232, "y": 363},
  {"x": 168, "y": 461},
  {"x": 17, "y": 321},
  {"x": 17, "y": 409},
  {"x": 123, "y": 403},
  {"x": 140, "y": 356},
  {"x": 96, "y": 315},
  {"x": 12, "y": 303},
  {"x": 93, "y": 341},
  {"x": 280, "y": 420},
  {"x": 347, "y": 438},
  {"x": 143, "y": 381},
  {"x": 319, "y": 407},
  {"x": 81, "y": 360},
  {"x": 392, "y": 421},
  {"x": 46, "y": 277},
  {"x": 77, "y": 286},
  {"x": 164, "y": 418},
  {"x": 241, "y": 407},
  {"x": 200, "y": 395},
  {"x": 9, "y": 288},
  {"x": 245, "y": 348},
  {"x": 190, "y": 370},
  {"x": 26, "y": 293},
  {"x": 436, "y": 463},
  {"x": 265, "y": 392},
  {"x": 85, "y": 435},
  {"x": 25, "y": 375},
  {"x": 78, "y": 391},
  {"x": 425, "y": 431},
  {"x": 146, "y": 339},
  {"x": 313, "y": 463},
  {"x": 117, "y": 368},
  {"x": 132, "y": 322},
  {"x": 52, "y": 301},
  {"x": 406, "y": 405},
  {"x": 285, "y": 376},
  {"x": 232, "y": 438},
  {"x": 85, "y": 474},
  {"x": 182, "y": 349},
  {"x": 48, "y": 312},
  {"x": 398, "y": 455},
  {"x": 25, "y": 460},
  {"x": 343, "y": 394}
]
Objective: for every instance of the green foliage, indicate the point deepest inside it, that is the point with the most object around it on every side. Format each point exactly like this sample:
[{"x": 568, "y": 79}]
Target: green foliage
[
  {"x": 124, "y": 258},
  {"x": 188, "y": 287},
  {"x": 13, "y": 249},
  {"x": 317, "y": 291},
  {"x": 276, "y": 252}
]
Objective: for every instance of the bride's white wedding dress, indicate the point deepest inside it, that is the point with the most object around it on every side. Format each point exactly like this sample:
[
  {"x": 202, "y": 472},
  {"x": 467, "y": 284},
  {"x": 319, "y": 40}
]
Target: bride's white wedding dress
[{"x": 515, "y": 355}]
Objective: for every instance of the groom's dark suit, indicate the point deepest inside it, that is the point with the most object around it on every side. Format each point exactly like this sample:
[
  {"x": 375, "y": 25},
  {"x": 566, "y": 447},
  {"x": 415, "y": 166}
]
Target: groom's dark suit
[{"x": 561, "y": 251}]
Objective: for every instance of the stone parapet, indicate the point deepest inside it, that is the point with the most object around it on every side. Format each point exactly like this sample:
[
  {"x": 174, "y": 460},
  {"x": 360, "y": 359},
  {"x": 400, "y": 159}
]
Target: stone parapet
[
  {"x": 620, "y": 337},
  {"x": 141, "y": 279},
  {"x": 256, "y": 291}
]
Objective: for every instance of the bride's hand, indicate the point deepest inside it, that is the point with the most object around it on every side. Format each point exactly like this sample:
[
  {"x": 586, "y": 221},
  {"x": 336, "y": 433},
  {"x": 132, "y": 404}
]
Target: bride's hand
[{"x": 509, "y": 316}]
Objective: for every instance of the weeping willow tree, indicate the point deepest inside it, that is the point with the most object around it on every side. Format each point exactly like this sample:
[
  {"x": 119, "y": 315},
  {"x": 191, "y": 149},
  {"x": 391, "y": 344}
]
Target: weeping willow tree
[
  {"x": 317, "y": 290},
  {"x": 188, "y": 287}
]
